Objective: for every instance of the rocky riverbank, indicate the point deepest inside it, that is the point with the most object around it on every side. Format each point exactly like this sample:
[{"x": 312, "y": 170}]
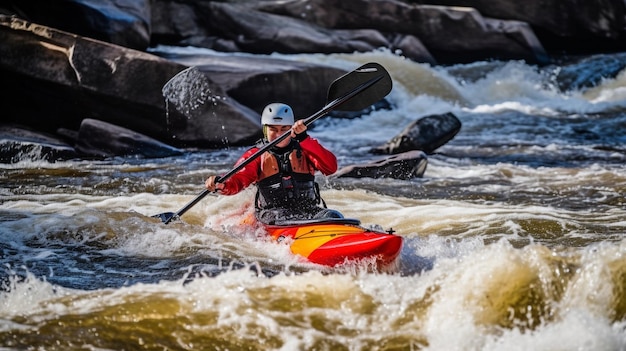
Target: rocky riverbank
[{"x": 81, "y": 75}]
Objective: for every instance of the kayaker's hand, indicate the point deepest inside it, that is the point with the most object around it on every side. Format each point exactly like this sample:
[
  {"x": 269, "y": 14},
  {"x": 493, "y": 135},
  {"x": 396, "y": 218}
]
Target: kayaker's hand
[
  {"x": 298, "y": 131},
  {"x": 212, "y": 186}
]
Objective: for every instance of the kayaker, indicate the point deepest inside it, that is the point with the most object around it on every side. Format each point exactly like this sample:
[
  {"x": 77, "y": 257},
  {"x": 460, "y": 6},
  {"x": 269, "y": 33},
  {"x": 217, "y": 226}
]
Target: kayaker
[{"x": 285, "y": 175}]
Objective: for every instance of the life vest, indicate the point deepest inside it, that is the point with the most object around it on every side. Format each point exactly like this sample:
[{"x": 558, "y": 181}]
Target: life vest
[{"x": 286, "y": 179}]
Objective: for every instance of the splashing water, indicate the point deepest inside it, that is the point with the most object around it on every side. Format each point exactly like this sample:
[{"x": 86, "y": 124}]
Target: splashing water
[{"x": 515, "y": 238}]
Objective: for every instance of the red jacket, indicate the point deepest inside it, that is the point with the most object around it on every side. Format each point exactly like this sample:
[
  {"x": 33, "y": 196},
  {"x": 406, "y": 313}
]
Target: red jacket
[{"x": 318, "y": 156}]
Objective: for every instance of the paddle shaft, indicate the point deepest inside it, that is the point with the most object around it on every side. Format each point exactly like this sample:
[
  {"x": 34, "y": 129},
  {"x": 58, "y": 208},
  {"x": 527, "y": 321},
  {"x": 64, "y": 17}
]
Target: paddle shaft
[
  {"x": 329, "y": 107},
  {"x": 319, "y": 114}
]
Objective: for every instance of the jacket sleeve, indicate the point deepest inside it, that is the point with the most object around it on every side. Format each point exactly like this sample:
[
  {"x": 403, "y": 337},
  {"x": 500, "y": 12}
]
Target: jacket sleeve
[
  {"x": 245, "y": 176},
  {"x": 320, "y": 157}
]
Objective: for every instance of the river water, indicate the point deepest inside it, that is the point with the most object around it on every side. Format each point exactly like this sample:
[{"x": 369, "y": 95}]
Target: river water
[{"x": 515, "y": 238}]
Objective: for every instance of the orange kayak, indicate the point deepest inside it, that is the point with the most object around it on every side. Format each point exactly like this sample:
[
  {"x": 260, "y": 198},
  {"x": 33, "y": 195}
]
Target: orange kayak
[{"x": 334, "y": 241}]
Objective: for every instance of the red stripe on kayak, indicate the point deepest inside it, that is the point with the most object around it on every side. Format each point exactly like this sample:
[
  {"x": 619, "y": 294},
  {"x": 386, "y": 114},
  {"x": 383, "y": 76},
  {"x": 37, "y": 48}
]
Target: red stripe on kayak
[{"x": 385, "y": 247}]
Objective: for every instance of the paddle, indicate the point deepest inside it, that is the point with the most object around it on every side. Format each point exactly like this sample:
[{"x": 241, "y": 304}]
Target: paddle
[{"x": 353, "y": 91}]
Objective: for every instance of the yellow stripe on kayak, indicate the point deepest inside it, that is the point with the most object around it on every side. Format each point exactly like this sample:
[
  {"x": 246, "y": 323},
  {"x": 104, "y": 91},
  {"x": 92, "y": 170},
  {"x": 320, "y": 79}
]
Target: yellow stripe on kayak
[{"x": 308, "y": 238}]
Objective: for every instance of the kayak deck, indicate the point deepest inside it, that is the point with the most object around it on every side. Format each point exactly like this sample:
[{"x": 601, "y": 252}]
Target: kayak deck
[{"x": 333, "y": 241}]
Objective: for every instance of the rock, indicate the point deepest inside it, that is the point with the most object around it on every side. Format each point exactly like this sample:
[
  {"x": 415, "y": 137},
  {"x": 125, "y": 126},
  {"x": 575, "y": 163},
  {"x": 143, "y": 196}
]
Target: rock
[
  {"x": 444, "y": 31},
  {"x": 220, "y": 26},
  {"x": 589, "y": 71},
  {"x": 258, "y": 32},
  {"x": 426, "y": 134},
  {"x": 102, "y": 139},
  {"x": 73, "y": 78},
  {"x": 120, "y": 22},
  {"x": 569, "y": 25},
  {"x": 451, "y": 34},
  {"x": 203, "y": 115},
  {"x": 411, "y": 47},
  {"x": 94, "y": 139},
  {"x": 411, "y": 164},
  {"x": 19, "y": 143},
  {"x": 257, "y": 81}
]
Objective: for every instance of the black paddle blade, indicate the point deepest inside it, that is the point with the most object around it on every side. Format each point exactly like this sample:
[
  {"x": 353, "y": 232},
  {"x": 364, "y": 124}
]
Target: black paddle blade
[
  {"x": 352, "y": 80},
  {"x": 166, "y": 217},
  {"x": 370, "y": 83}
]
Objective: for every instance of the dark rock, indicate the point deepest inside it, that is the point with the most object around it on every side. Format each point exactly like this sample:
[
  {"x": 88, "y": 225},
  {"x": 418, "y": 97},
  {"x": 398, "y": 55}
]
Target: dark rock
[
  {"x": 459, "y": 31},
  {"x": 121, "y": 22},
  {"x": 257, "y": 81},
  {"x": 451, "y": 34},
  {"x": 426, "y": 134},
  {"x": 18, "y": 143},
  {"x": 565, "y": 25},
  {"x": 408, "y": 165},
  {"x": 411, "y": 47},
  {"x": 69, "y": 135},
  {"x": 254, "y": 82},
  {"x": 102, "y": 139},
  {"x": 263, "y": 33},
  {"x": 204, "y": 116},
  {"x": 72, "y": 78},
  {"x": 239, "y": 27},
  {"x": 590, "y": 71}
]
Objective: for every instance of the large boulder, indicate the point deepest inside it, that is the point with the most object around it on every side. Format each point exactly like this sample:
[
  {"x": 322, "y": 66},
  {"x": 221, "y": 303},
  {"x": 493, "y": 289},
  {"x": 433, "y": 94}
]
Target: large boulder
[
  {"x": 237, "y": 27},
  {"x": 122, "y": 22},
  {"x": 19, "y": 143},
  {"x": 59, "y": 78},
  {"x": 257, "y": 81},
  {"x": 102, "y": 139},
  {"x": 444, "y": 31},
  {"x": 425, "y": 134},
  {"x": 589, "y": 71},
  {"x": 570, "y": 25},
  {"x": 72, "y": 78},
  {"x": 450, "y": 34}
]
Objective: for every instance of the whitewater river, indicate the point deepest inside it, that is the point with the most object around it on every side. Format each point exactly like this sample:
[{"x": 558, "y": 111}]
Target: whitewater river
[{"x": 515, "y": 238}]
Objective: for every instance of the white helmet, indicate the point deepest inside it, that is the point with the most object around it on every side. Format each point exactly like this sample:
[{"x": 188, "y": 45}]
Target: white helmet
[{"x": 277, "y": 114}]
